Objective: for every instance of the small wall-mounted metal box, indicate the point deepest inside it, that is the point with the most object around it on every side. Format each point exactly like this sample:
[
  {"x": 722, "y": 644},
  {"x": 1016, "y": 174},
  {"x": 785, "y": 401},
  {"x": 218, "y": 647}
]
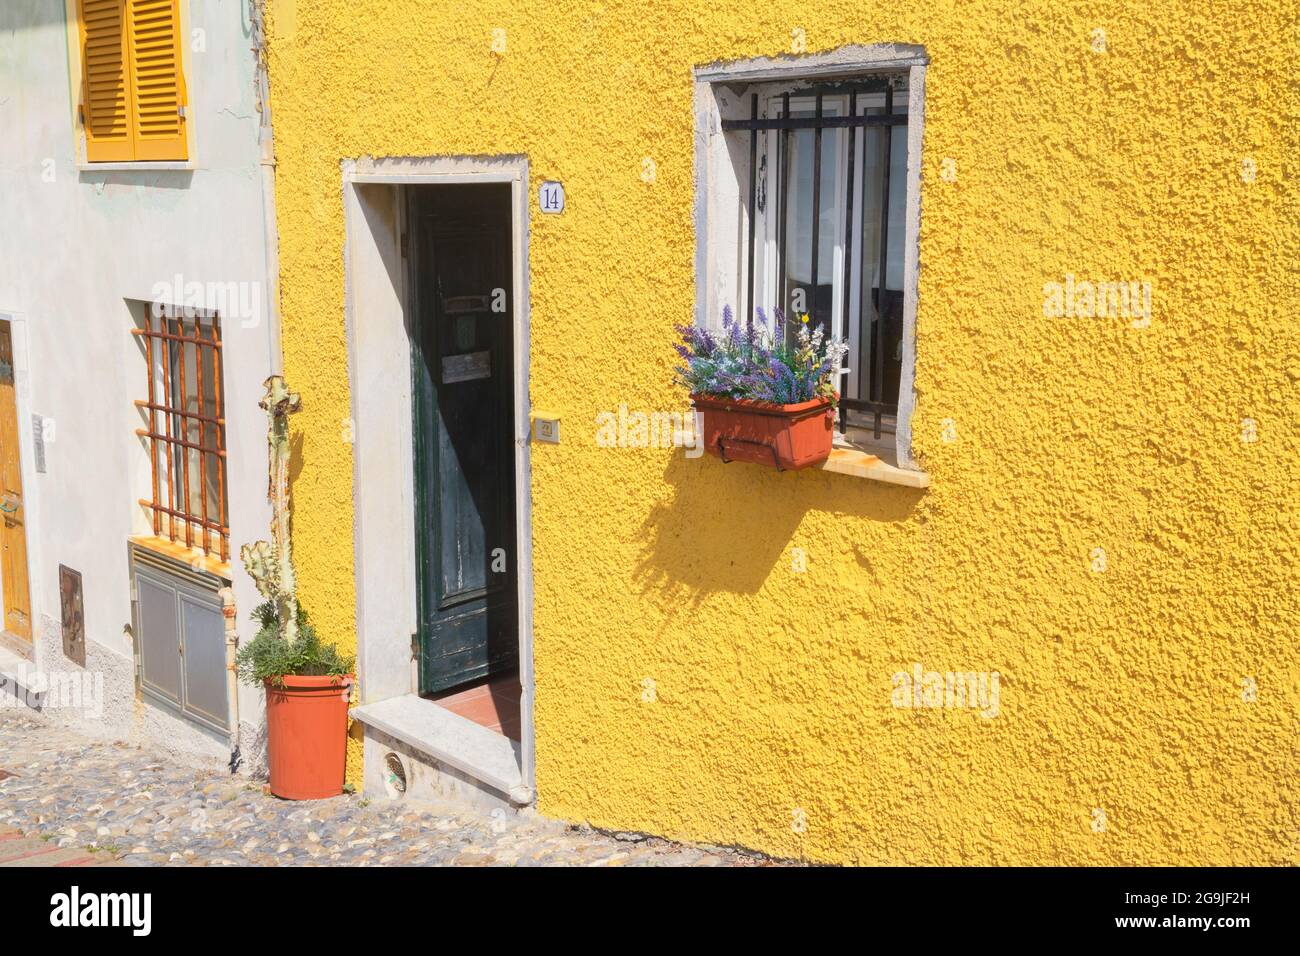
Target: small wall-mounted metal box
[{"x": 546, "y": 427}]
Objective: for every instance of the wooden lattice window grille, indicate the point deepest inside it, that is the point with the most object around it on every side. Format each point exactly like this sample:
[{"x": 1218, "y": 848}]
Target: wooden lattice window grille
[{"x": 186, "y": 429}]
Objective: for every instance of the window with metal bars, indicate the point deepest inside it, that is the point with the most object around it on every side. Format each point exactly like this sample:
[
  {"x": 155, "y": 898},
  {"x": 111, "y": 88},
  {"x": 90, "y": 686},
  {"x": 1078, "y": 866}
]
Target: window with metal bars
[
  {"x": 185, "y": 429},
  {"x": 825, "y": 224}
]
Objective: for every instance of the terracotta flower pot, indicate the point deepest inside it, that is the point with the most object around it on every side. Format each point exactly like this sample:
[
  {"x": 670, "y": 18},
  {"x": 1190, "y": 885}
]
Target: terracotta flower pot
[
  {"x": 306, "y": 735},
  {"x": 786, "y": 437}
]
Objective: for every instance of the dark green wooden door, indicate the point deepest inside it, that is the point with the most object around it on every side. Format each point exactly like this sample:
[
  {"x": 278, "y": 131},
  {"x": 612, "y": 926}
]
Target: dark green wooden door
[{"x": 462, "y": 330}]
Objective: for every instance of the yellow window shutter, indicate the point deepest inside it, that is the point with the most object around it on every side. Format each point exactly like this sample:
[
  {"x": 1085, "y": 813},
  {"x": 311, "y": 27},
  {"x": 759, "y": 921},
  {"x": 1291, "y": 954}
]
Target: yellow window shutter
[
  {"x": 106, "y": 79},
  {"x": 157, "y": 88}
]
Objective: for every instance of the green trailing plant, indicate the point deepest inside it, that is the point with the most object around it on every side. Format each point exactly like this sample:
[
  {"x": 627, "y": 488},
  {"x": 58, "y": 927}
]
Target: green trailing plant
[
  {"x": 286, "y": 643},
  {"x": 268, "y": 656}
]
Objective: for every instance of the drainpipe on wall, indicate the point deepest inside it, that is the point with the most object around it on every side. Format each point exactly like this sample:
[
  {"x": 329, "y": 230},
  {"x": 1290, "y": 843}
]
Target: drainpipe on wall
[
  {"x": 266, "y": 146},
  {"x": 228, "y": 613}
]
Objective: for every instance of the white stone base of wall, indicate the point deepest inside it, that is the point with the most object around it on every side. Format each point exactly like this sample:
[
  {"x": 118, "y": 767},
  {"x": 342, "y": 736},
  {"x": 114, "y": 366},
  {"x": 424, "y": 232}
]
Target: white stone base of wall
[{"x": 105, "y": 705}]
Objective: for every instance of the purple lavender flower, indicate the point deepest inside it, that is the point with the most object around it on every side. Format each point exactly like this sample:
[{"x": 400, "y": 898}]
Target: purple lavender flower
[{"x": 746, "y": 361}]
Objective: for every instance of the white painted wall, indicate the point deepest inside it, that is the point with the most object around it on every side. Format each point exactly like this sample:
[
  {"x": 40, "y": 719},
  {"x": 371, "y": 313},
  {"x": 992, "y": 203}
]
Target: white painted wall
[{"x": 76, "y": 243}]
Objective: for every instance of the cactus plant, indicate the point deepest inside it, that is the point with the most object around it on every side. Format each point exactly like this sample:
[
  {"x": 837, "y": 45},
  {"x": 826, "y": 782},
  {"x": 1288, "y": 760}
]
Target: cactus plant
[
  {"x": 270, "y": 563},
  {"x": 308, "y": 682},
  {"x": 286, "y": 643}
]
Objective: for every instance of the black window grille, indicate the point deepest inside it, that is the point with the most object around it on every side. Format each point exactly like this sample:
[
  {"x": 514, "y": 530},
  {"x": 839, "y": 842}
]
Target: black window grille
[{"x": 869, "y": 159}]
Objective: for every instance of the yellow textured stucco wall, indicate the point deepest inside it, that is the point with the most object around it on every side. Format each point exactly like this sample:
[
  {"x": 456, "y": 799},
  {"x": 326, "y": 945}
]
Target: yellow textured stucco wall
[{"x": 1121, "y": 690}]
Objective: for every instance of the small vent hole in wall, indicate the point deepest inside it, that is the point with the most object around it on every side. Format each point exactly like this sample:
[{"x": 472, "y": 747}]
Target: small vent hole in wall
[{"x": 394, "y": 776}]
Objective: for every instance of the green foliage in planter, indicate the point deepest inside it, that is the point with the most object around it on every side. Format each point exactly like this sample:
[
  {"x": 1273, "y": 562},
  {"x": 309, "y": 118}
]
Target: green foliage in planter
[{"x": 269, "y": 655}]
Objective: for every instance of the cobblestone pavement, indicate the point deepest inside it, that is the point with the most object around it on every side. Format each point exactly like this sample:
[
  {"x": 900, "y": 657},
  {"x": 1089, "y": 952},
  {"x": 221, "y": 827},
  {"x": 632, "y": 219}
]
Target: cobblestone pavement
[
  {"x": 70, "y": 792},
  {"x": 17, "y": 850}
]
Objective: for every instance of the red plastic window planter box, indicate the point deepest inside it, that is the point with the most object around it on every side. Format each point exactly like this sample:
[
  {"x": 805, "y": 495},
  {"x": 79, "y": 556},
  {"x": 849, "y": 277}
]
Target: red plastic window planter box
[{"x": 786, "y": 437}]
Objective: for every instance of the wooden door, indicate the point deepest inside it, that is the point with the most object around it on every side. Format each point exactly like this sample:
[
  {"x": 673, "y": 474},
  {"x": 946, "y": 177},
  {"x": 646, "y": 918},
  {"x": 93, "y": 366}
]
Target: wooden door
[
  {"x": 13, "y": 533},
  {"x": 462, "y": 335}
]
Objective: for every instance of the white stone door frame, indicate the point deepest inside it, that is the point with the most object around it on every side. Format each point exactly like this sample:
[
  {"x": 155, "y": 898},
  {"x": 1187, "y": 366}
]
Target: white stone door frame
[{"x": 379, "y": 372}]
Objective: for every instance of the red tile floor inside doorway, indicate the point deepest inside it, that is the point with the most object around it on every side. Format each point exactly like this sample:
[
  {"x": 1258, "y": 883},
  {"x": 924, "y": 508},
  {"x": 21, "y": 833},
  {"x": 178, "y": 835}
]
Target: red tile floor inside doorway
[{"x": 493, "y": 704}]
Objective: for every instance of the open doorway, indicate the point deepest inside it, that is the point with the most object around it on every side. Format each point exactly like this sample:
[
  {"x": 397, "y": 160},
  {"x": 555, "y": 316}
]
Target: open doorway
[
  {"x": 460, "y": 263},
  {"x": 438, "y": 333}
]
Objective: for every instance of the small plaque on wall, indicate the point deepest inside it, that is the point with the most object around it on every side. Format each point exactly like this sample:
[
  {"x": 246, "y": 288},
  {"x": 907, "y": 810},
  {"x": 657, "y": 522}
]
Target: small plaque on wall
[
  {"x": 550, "y": 198},
  {"x": 38, "y": 443},
  {"x": 74, "y": 617}
]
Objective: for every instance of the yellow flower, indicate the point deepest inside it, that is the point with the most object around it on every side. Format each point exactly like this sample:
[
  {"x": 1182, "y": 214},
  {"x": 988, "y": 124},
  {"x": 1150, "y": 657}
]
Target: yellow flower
[{"x": 804, "y": 318}]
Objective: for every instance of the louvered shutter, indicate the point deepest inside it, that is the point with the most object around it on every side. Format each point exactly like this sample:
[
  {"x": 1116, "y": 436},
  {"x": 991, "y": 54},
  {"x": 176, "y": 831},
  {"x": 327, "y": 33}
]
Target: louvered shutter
[
  {"x": 106, "y": 72},
  {"x": 157, "y": 90}
]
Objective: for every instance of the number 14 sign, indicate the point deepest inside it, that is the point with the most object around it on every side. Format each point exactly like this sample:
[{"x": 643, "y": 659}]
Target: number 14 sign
[{"x": 550, "y": 197}]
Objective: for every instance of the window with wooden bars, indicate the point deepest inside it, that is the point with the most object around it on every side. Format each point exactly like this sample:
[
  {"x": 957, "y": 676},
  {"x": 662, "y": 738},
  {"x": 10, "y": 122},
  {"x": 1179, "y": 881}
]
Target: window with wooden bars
[
  {"x": 185, "y": 429},
  {"x": 132, "y": 90}
]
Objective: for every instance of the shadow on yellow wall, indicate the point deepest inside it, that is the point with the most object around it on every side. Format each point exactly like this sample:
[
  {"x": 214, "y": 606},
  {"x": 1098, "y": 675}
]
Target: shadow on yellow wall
[{"x": 727, "y": 526}]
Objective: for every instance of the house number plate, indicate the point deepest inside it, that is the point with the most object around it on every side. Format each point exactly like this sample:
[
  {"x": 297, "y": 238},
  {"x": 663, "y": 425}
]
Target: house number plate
[
  {"x": 550, "y": 197},
  {"x": 466, "y": 367}
]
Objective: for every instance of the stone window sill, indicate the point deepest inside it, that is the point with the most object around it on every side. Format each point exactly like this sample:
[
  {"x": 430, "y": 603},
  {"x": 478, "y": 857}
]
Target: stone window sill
[
  {"x": 135, "y": 167},
  {"x": 861, "y": 464},
  {"x": 178, "y": 552}
]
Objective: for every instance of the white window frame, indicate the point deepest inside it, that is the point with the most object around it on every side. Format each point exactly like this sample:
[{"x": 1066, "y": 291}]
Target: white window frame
[{"x": 722, "y": 91}]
